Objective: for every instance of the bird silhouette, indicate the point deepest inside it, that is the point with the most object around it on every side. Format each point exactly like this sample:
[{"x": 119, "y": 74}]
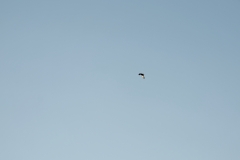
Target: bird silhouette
[{"x": 141, "y": 74}]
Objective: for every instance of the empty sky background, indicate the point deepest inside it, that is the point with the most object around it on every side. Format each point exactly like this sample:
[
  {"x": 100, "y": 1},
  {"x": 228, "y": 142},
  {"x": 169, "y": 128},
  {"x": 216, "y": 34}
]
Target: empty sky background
[{"x": 70, "y": 90}]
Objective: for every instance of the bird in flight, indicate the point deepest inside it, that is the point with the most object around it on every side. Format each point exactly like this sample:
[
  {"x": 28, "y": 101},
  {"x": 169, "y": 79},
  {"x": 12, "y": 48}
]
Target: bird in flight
[{"x": 141, "y": 74}]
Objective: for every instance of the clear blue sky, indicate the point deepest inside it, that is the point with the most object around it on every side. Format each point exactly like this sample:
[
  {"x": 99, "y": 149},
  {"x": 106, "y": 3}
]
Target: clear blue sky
[{"x": 70, "y": 90}]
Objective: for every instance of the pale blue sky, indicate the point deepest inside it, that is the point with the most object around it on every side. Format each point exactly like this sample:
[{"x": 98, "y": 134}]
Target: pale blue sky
[{"x": 70, "y": 88}]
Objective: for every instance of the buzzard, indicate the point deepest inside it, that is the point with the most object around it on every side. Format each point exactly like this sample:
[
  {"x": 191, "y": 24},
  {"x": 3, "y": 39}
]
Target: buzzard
[{"x": 141, "y": 74}]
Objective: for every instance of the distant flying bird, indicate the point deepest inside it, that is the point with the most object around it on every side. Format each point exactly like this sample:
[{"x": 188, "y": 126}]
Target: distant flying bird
[{"x": 141, "y": 74}]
